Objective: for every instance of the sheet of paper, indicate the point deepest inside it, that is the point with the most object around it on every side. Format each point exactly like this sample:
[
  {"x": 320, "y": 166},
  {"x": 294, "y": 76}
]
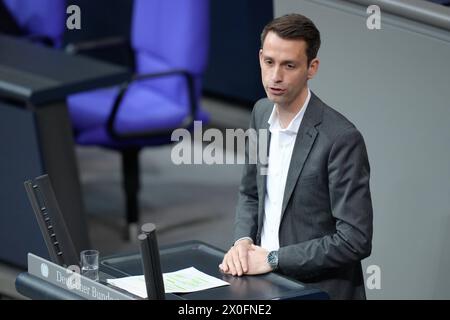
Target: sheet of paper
[
  {"x": 190, "y": 280},
  {"x": 134, "y": 285},
  {"x": 181, "y": 281}
]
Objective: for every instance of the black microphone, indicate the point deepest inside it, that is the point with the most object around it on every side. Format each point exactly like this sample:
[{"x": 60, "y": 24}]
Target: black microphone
[{"x": 151, "y": 262}]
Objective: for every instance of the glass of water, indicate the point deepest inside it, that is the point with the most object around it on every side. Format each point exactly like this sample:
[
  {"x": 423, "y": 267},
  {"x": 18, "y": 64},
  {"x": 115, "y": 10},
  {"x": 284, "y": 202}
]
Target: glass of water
[{"x": 89, "y": 264}]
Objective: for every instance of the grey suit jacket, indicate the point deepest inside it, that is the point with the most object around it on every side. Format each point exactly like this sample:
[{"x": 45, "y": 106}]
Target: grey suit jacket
[{"x": 326, "y": 221}]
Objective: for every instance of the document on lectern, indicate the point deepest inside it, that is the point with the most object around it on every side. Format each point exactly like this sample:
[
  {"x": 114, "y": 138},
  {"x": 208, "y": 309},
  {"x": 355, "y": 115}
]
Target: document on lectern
[{"x": 181, "y": 281}]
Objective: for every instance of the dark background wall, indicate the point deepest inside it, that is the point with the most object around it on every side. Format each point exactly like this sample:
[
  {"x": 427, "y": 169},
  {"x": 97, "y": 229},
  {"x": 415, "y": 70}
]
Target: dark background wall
[
  {"x": 233, "y": 70},
  {"x": 101, "y": 18}
]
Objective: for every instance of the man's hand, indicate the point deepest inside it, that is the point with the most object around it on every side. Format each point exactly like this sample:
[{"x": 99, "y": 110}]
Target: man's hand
[
  {"x": 245, "y": 258},
  {"x": 257, "y": 261},
  {"x": 235, "y": 261}
]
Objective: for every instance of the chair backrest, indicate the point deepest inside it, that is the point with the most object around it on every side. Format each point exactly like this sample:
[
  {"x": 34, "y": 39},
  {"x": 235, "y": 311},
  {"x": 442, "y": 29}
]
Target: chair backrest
[
  {"x": 169, "y": 35},
  {"x": 44, "y": 18}
]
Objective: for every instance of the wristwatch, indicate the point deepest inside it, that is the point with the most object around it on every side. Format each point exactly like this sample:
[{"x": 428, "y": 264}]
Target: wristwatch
[{"x": 272, "y": 260}]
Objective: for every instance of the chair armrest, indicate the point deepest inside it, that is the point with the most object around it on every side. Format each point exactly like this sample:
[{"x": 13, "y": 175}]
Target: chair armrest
[{"x": 187, "y": 122}]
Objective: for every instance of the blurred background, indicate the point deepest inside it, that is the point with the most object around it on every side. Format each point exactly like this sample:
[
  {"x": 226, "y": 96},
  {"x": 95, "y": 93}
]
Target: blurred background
[{"x": 393, "y": 83}]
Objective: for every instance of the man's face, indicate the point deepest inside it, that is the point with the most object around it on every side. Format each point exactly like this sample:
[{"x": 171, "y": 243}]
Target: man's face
[{"x": 284, "y": 69}]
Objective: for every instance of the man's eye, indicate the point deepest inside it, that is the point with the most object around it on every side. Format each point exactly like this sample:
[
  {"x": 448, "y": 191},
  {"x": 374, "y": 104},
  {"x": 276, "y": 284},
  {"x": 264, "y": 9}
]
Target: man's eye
[
  {"x": 290, "y": 66},
  {"x": 269, "y": 62}
]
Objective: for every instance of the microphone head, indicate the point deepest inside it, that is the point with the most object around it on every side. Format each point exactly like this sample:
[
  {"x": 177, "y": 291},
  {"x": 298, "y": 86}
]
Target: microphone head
[
  {"x": 148, "y": 227},
  {"x": 142, "y": 237}
]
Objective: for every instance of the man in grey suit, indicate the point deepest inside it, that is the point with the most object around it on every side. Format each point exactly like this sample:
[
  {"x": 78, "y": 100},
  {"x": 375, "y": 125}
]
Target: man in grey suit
[{"x": 310, "y": 216}]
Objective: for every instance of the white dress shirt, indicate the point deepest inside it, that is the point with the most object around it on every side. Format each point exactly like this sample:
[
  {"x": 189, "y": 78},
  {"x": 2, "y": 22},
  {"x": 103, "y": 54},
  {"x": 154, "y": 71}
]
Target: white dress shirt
[{"x": 280, "y": 151}]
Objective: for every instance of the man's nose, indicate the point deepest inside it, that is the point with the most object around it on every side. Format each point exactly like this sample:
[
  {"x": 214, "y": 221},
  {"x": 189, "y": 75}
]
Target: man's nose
[{"x": 277, "y": 75}]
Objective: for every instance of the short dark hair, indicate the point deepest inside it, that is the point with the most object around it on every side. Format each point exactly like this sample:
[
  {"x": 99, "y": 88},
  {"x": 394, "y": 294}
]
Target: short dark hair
[{"x": 295, "y": 26}]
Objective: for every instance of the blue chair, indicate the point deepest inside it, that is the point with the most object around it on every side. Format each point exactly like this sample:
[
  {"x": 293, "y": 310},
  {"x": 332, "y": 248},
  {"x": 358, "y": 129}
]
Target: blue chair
[
  {"x": 170, "y": 45},
  {"x": 42, "y": 21}
]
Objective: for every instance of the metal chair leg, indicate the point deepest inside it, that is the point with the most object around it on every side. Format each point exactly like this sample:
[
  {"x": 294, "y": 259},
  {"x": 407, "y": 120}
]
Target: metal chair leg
[{"x": 131, "y": 184}]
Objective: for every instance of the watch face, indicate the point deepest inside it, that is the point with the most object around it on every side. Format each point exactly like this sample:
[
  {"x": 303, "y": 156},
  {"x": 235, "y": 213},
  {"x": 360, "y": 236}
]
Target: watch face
[{"x": 272, "y": 259}]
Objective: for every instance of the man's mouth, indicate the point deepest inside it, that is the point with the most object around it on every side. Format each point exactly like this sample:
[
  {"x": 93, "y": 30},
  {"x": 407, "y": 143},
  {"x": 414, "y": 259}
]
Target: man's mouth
[{"x": 276, "y": 91}]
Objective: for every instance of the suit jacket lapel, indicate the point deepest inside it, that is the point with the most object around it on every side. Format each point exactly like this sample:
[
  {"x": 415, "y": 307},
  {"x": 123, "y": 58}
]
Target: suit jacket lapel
[{"x": 306, "y": 136}]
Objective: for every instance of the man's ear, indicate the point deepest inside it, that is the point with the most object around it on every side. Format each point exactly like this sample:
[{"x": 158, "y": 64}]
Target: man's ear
[
  {"x": 260, "y": 56},
  {"x": 313, "y": 68}
]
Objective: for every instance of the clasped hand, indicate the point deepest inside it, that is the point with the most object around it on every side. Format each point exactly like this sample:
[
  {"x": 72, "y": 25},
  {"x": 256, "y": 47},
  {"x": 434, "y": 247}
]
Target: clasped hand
[{"x": 245, "y": 258}]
